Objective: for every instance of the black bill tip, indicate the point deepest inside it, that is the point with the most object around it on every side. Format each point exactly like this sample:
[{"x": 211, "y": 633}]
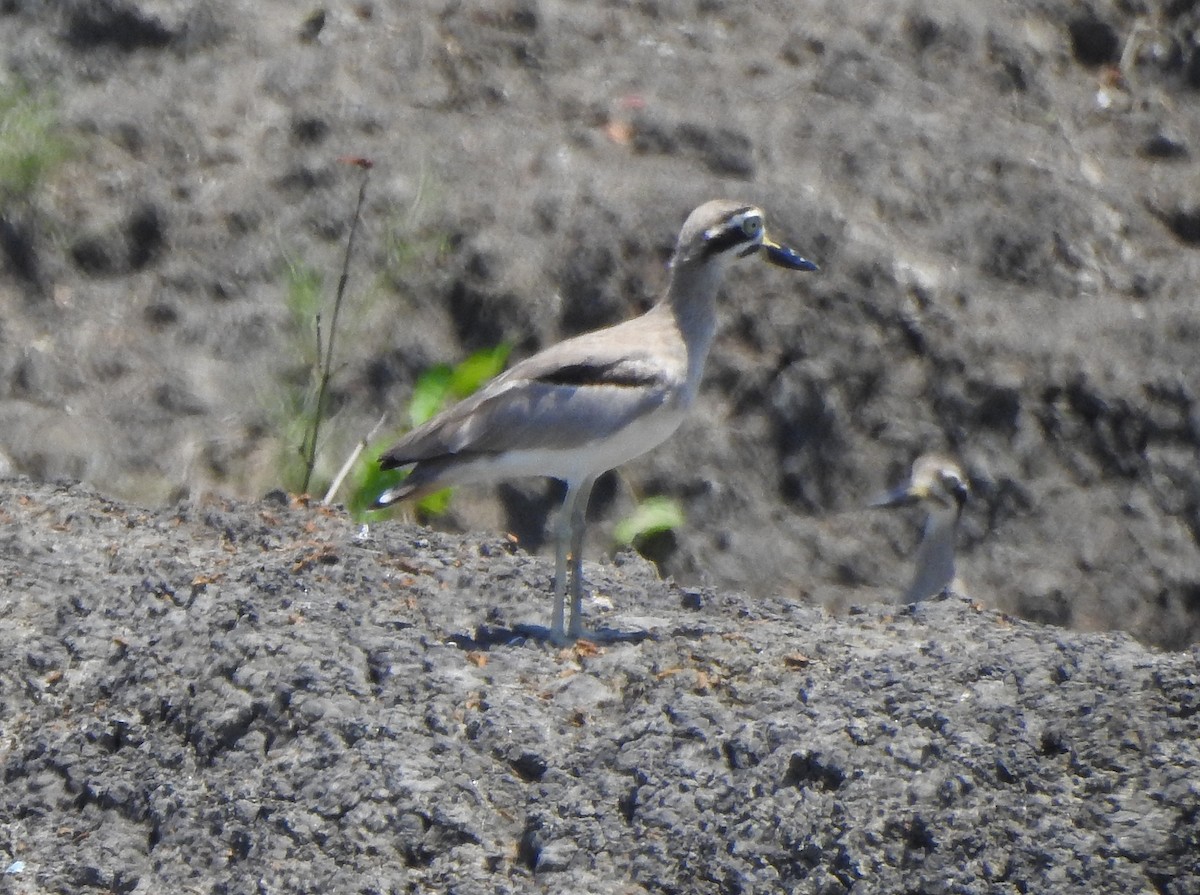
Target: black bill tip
[{"x": 782, "y": 256}]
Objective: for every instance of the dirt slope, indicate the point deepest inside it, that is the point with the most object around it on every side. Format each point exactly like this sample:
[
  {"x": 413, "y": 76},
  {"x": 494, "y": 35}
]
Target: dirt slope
[{"x": 1006, "y": 220}]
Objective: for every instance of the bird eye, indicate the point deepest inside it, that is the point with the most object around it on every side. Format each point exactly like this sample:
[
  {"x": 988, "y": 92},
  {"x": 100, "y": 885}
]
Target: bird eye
[{"x": 752, "y": 225}]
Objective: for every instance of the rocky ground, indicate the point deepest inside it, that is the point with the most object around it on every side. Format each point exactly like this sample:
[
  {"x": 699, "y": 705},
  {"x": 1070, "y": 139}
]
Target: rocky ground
[
  {"x": 223, "y": 698},
  {"x": 1005, "y": 203}
]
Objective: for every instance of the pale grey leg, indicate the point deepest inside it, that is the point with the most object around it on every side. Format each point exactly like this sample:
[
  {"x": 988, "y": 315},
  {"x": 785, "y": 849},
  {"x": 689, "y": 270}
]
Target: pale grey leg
[
  {"x": 562, "y": 527},
  {"x": 578, "y": 526}
]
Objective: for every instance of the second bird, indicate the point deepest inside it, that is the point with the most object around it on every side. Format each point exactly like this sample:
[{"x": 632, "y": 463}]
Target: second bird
[
  {"x": 590, "y": 403},
  {"x": 938, "y": 485}
]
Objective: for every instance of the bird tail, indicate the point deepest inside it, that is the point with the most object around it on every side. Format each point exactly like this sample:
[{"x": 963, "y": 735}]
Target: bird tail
[
  {"x": 425, "y": 478},
  {"x": 393, "y": 495}
]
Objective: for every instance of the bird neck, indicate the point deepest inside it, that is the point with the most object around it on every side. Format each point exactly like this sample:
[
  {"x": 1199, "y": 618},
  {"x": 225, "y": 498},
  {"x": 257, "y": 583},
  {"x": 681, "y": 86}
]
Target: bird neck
[
  {"x": 935, "y": 556},
  {"x": 691, "y": 298}
]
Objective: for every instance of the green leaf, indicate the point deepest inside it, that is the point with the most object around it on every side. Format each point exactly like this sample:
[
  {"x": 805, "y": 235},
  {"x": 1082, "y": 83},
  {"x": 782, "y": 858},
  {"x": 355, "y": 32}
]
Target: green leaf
[
  {"x": 474, "y": 372},
  {"x": 436, "y": 503},
  {"x": 652, "y": 515},
  {"x": 429, "y": 394},
  {"x": 369, "y": 481}
]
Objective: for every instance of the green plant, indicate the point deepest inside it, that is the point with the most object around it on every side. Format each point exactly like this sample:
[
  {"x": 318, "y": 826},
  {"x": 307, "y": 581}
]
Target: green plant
[
  {"x": 324, "y": 367},
  {"x": 406, "y": 247},
  {"x": 434, "y": 389},
  {"x": 303, "y": 291},
  {"x": 305, "y": 400},
  {"x": 31, "y": 145},
  {"x": 304, "y": 287},
  {"x": 306, "y": 403},
  {"x": 406, "y": 243},
  {"x": 654, "y": 515}
]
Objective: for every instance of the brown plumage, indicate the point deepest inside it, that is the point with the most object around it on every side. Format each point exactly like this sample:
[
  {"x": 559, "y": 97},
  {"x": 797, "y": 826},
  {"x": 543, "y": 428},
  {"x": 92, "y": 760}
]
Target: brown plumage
[{"x": 592, "y": 402}]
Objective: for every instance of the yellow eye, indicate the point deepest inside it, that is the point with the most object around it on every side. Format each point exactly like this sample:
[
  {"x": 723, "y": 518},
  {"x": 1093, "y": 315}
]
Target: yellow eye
[{"x": 752, "y": 225}]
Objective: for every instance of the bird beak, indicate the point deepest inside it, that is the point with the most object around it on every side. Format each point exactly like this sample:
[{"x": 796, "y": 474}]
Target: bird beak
[
  {"x": 782, "y": 256},
  {"x": 902, "y": 496}
]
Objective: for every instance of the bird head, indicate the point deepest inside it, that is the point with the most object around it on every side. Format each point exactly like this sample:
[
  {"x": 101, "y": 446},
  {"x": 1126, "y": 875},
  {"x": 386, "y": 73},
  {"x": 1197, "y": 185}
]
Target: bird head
[
  {"x": 935, "y": 482},
  {"x": 722, "y": 230}
]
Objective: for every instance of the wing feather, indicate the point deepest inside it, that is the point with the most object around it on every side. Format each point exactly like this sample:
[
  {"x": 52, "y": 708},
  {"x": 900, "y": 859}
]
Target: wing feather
[
  {"x": 562, "y": 408},
  {"x": 566, "y": 396}
]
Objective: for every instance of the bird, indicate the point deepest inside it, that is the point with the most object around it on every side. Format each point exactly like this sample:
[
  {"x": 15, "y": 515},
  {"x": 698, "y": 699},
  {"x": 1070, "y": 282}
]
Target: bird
[
  {"x": 938, "y": 484},
  {"x": 592, "y": 402}
]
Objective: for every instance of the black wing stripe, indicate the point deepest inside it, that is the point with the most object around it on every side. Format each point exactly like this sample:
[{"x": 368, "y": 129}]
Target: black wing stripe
[{"x": 619, "y": 375}]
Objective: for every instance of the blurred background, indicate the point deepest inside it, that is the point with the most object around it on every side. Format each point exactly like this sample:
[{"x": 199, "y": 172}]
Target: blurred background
[{"x": 1004, "y": 199}]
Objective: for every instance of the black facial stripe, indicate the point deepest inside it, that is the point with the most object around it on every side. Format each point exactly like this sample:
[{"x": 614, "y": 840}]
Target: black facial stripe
[
  {"x": 724, "y": 240},
  {"x": 729, "y": 236}
]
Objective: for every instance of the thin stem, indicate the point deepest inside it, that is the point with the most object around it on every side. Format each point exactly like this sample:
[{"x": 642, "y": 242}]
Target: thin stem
[
  {"x": 352, "y": 459},
  {"x": 326, "y": 365}
]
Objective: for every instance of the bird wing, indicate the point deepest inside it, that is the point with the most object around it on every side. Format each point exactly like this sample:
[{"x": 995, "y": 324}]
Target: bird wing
[{"x": 566, "y": 396}]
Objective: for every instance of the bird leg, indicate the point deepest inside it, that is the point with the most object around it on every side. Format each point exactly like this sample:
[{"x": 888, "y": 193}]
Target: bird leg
[
  {"x": 562, "y": 527},
  {"x": 578, "y": 526}
]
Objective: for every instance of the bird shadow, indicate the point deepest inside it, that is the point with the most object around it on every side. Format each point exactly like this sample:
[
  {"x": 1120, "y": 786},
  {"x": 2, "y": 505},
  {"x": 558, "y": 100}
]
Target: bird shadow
[{"x": 486, "y": 637}]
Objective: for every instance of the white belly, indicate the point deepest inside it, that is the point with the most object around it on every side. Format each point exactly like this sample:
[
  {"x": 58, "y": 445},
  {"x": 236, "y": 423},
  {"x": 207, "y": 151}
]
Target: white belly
[{"x": 577, "y": 463}]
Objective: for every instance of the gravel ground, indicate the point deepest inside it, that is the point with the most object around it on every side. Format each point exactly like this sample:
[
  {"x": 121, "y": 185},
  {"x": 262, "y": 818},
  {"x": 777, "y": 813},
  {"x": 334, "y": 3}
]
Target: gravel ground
[
  {"x": 205, "y": 690},
  {"x": 262, "y": 697}
]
